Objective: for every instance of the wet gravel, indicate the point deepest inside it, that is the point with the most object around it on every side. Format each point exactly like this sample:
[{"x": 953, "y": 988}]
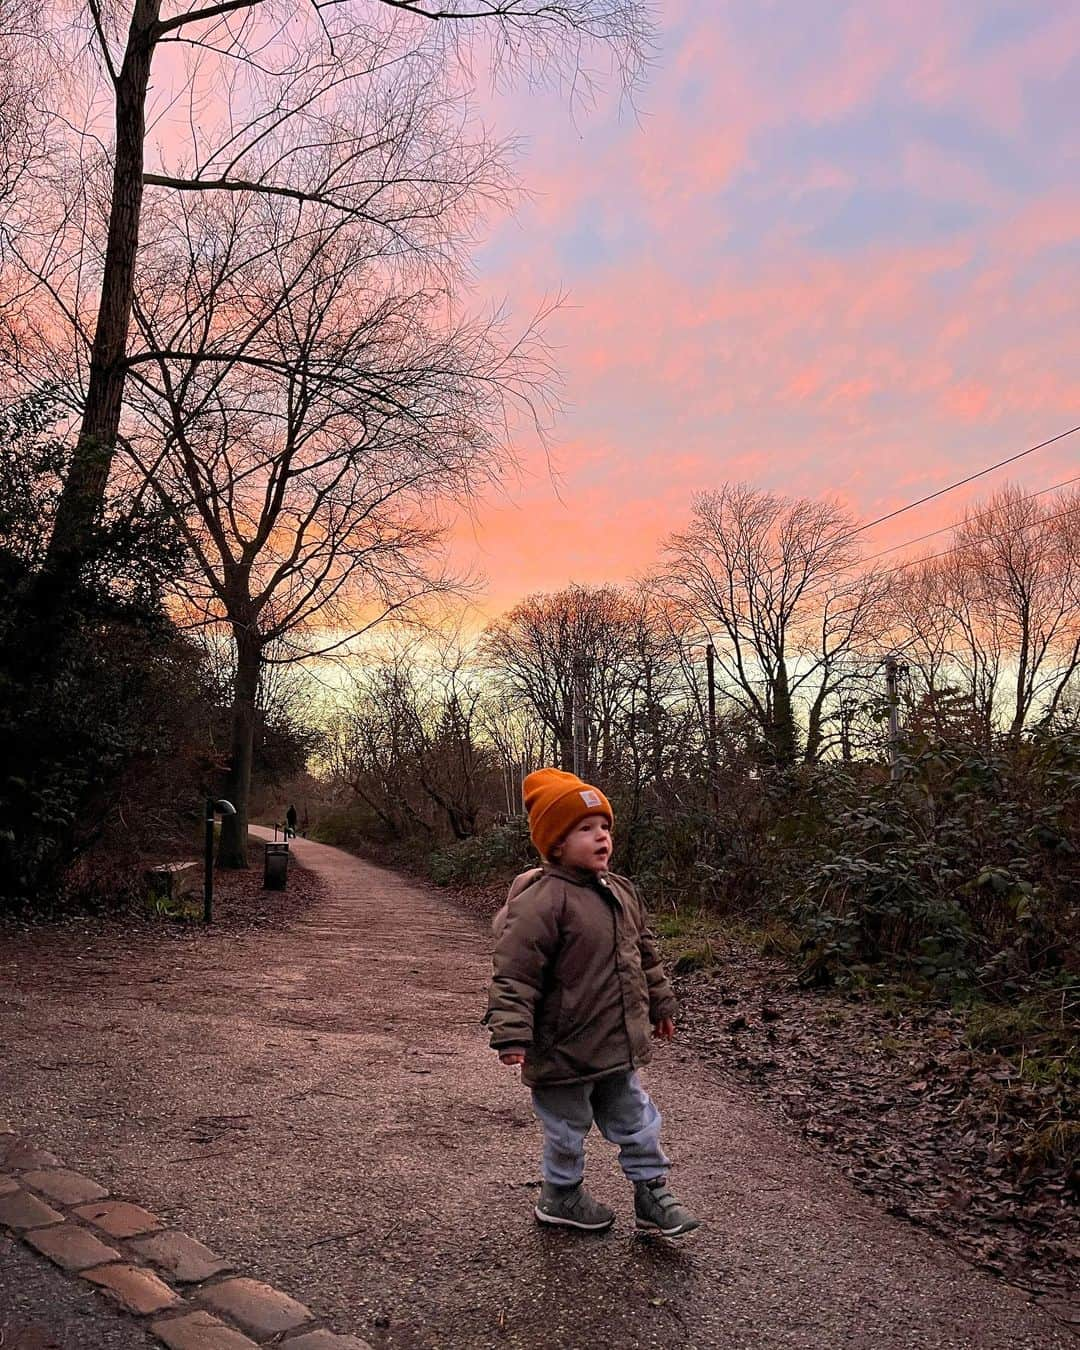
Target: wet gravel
[{"x": 314, "y": 1098}]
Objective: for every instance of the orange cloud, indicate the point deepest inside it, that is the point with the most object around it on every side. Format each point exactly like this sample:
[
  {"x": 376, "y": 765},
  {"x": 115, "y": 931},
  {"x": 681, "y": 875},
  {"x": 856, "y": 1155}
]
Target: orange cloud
[{"x": 725, "y": 326}]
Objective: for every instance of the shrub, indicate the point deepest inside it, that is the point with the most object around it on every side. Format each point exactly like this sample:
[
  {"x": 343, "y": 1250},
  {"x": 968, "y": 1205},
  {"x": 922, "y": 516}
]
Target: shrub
[
  {"x": 498, "y": 852},
  {"x": 960, "y": 875},
  {"x": 95, "y": 683}
]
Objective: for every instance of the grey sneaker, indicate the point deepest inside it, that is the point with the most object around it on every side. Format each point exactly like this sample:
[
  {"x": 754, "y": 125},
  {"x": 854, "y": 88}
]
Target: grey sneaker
[
  {"x": 573, "y": 1207},
  {"x": 658, "y": 1211}
]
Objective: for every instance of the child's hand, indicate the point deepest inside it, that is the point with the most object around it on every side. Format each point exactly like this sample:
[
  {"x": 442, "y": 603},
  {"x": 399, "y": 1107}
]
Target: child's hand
[
  {"x": 664, "y": 1030},
  {"x": 511, "y": 1057}
]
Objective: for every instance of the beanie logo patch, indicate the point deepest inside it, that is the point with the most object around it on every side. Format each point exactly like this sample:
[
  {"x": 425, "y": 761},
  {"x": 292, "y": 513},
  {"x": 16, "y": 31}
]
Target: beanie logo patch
[{"x": 590, "y": 798}]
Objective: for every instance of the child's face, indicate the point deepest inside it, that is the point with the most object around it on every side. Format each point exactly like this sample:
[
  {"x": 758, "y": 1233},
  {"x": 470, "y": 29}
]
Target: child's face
[{"x": 588, "y": 845}]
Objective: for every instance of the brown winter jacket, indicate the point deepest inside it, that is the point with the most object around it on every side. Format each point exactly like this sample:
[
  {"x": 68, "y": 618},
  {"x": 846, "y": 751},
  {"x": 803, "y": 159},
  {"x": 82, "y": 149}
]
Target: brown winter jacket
[{"x": 577, "y": 979}]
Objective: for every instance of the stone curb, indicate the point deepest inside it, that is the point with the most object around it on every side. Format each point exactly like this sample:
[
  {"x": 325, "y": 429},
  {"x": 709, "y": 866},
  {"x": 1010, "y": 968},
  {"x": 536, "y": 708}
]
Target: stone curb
[{"x": 66, "y": 1217}]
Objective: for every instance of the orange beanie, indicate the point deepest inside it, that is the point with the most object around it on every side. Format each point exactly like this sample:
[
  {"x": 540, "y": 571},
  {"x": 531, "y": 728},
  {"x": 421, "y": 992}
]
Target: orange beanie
[{"x": 556, "y": 801}]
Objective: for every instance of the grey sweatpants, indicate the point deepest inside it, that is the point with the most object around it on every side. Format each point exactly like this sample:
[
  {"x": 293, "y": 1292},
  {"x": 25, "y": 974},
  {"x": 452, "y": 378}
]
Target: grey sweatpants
[{"x": 625, "y": 1115}]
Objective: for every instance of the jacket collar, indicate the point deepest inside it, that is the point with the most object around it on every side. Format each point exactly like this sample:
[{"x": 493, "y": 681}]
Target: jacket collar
[{"x": 583, "y": 876}]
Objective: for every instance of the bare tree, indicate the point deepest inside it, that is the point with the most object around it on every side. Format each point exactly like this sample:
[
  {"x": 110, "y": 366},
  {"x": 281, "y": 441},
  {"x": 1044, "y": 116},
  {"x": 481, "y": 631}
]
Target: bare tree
[
  {"x": 993, "y": 620},
  {"x": 1064, "y": 528},
  {"x": 408, "y": 740},
  {"x": 654, "y": 734},
  {"x": 563, "y": 653},
  {"x": 955, "y": 650},
  {"x": 509, "y": 726},
  {"x": 369, "y": 750},
  {"x": 455, "y": 767},
  {"x": 254, "y": 68},
  {"x": 610, "y": 654},
  {"x": 777, "y": 582},
  {"x": 21, "y": 39},
  {"x": 918, "y": 613},
  {"x": 25, "y": 62},
  {"x": 302, "y": 404},
  {"x": 1021, "y": 563}
]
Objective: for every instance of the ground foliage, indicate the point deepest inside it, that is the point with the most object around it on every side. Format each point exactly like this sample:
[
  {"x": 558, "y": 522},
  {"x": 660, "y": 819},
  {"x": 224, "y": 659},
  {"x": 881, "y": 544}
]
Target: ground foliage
[
  {"x": 954, "y": 1129},
  {"x": 965, "y": 873}
]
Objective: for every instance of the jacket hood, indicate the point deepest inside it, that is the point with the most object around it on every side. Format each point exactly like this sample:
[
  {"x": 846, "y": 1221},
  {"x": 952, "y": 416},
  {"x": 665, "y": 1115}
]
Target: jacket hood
[
  {"x": 523, "y": 882},
  {"x": 519, "y": 884}
]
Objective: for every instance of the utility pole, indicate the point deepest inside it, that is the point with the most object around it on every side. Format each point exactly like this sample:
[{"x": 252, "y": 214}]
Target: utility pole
[
  {"x": 580, "y": 727},
  {"x": 892, "y": 686},
  {"x": 714, "y": 767}
]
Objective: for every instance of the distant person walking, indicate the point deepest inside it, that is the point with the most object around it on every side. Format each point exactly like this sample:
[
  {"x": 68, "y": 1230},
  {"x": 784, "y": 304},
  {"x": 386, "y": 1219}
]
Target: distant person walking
[
  {"x": 577, "y": 983},
  {"x": 290, "y": 823}
]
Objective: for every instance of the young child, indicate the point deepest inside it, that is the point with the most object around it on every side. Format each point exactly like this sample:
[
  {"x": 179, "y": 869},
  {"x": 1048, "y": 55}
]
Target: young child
[{"x": 577, "y": 982}]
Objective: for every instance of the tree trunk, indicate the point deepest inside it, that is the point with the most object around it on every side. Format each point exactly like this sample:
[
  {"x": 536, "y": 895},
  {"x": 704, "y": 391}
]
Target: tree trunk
[
  {"x": 782, "y": 736},
  {"x": 1022, "y": 677},
  {"x": 232, "y": 850},
  {"x": 83, "y": 494},
  {"x": 815, "y": 730}
]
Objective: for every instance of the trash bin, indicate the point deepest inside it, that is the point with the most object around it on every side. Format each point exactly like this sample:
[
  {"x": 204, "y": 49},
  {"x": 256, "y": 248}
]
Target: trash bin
[{"x": 276, "y": 867}]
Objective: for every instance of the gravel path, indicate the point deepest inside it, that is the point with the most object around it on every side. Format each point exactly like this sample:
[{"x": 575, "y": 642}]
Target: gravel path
[
  {"x": 43, "y": 1309},
  {"x": 319, "y": 1105}
]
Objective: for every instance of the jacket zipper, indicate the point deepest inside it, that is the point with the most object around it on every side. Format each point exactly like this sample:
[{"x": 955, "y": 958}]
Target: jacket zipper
[{"x": 618, "y": 969}]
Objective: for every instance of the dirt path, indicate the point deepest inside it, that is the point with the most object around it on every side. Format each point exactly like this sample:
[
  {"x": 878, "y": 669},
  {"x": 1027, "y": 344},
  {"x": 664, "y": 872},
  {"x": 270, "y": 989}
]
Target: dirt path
[{"x": 319, "y": 1105}]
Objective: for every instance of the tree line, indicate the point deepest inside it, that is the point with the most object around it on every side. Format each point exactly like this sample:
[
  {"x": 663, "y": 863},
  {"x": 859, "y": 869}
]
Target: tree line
[
  {"x": 734, "y": 704},
  {"x": 760, "y": 635}
]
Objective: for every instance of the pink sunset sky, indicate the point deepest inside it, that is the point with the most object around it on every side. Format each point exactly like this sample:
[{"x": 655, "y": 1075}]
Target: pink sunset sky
[{"x": 837, "y": 252}]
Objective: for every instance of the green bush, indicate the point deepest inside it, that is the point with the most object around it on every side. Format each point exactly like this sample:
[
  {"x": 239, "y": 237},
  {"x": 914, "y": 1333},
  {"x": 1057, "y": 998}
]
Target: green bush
[
  {"x": 337, "y": 828},
  {"x": 497, "y": 853},
  {"x": 962, "y": 875},
  {"x": 94, "y": 679}
]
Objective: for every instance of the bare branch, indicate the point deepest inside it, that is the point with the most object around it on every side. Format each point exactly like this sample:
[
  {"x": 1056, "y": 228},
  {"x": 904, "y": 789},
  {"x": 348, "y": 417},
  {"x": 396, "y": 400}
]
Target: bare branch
[{"x": 199, "y": 15}]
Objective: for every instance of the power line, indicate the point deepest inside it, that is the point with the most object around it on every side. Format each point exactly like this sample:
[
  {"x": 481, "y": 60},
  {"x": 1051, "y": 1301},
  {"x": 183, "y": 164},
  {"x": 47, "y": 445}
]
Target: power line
[
  {"x": 900, "y": 510},
  {"x": 980, "y": 515},
  {"x": 940, "y": 492},
  {"x": 930, "y": 557}
]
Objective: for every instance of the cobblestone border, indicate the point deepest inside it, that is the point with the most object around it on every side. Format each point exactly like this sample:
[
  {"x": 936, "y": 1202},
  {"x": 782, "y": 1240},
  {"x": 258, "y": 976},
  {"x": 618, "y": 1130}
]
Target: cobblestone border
[{"x": 136, "y": 1261}]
